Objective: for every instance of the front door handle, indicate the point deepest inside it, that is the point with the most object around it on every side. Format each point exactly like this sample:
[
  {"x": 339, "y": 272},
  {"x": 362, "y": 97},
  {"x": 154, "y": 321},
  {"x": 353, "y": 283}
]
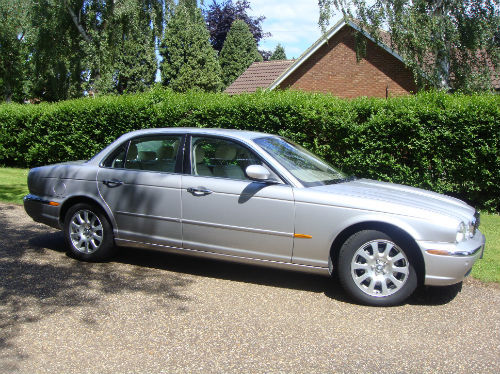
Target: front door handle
[
  {"x": 200, "y": 191},
  {"x": 112, "y": 183}
]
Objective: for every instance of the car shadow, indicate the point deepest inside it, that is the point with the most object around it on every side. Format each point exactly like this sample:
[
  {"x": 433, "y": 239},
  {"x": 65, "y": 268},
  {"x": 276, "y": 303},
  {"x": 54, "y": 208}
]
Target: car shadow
[
  {"x": 190, "y": 265},
  {"x": 36, "y": 282}
]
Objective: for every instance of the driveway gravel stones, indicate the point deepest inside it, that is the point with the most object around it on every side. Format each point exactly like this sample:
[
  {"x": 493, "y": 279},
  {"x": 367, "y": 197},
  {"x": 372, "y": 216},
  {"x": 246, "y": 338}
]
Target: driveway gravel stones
[{"x": 152, "y": 312}]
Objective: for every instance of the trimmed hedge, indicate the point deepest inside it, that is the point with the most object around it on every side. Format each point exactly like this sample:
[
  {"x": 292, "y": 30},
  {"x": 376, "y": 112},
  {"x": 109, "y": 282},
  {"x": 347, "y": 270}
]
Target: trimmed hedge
[{"x": 445, "y": 143}]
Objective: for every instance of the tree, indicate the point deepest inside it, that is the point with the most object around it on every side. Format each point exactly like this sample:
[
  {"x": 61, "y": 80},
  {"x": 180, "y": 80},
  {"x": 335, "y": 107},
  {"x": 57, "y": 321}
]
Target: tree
[
  {"x": 449, "y": 44},
  {"x": 13, "y": 49},
  {"x": 189, "y": 61},
  {"x": 238, "y": 53},
  {"x": 94, "y": 46},
  {"x": 135, "y": 65},
  {"x": 220, "y": 17},
  {"x": 118, "y": 35},
  {"x": 279, "y": 53},
  {"x": 55, "y": 62}
]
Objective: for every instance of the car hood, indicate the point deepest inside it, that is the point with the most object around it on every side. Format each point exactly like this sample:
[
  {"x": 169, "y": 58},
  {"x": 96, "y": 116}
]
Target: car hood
[{"x": 393, "y": 198}]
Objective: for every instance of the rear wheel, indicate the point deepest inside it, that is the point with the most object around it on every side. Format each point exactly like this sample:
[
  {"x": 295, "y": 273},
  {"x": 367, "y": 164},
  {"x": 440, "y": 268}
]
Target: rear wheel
[
  {"x": 376, "y": 270},
  {"x": 88, "y": 233}
]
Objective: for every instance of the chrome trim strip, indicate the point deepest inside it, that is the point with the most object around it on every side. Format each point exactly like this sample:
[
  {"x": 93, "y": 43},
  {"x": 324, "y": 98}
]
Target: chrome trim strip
[
  {"x": 209, "y": 224},
  {"x": 38, "y": 199},
  {"x": 170, "y": 219},
  {"x": 236, "y": 228},
  {"x": 457, "y": 253}
]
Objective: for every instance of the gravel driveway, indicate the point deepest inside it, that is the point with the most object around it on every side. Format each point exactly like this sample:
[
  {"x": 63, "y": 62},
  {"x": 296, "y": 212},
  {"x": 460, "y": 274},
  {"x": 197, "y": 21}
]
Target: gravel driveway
[{"x": 150, "y": 312}]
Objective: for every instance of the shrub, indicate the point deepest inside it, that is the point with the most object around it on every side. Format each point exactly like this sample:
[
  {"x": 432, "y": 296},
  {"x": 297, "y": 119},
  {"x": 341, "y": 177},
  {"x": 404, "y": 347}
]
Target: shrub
[{"x": 446, "y": 143}]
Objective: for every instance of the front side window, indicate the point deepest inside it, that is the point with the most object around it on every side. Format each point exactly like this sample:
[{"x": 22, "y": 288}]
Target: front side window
[
  {"x": 309, "y": 169},
  {"x": 117, "y": 159},
  {"x": 220, "y": 158}
]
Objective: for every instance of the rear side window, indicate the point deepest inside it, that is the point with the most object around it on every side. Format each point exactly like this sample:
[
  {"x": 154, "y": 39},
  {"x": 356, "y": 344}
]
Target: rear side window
[{"x": 153, "y": 153}]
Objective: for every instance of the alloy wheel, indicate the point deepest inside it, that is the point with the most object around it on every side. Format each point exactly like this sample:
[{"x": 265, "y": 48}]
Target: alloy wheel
[
  {"x": 86, "y": 232},
  {"x": 379, "y": 268}
]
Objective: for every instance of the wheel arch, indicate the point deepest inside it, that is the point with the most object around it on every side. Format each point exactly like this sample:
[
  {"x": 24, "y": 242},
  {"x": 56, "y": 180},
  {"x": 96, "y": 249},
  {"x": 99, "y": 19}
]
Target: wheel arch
[
  {"x": 391, "y": 230},
  {"x": 68, "y": 203}
]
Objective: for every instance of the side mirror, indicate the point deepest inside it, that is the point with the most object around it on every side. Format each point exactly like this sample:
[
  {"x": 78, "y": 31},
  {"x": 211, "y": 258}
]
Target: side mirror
[{"x": 258, "y": 173}]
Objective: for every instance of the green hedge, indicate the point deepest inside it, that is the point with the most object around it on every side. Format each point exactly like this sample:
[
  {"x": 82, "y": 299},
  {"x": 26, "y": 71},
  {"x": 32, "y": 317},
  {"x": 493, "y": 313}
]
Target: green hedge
[{"x": 446, "y": 143}]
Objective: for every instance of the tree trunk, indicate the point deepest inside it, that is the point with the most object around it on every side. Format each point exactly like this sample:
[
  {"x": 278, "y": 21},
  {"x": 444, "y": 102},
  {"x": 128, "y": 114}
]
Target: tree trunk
[
  {"x": 442, "y": 61},
  {"x": 76, "y": 21},
  {"x": 7, "y": 92}
]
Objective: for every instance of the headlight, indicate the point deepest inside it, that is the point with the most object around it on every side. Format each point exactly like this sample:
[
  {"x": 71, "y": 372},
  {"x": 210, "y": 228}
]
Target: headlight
[
  {"x": 461, "y": 232},
  {"x": 471, "y": 230}
]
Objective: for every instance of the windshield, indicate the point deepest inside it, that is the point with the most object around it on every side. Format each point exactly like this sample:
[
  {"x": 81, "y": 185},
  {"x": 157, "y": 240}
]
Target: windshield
[{"x": 302, "y": 164}]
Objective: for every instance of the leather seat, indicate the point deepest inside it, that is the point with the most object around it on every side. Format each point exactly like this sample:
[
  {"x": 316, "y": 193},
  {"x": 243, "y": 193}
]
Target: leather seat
[
  {"x": 226, "y": 154},
  {"x": 199, "y": 167}
]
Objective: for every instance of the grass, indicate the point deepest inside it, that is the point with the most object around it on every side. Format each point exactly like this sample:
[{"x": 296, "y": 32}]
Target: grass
[
  {"x": 13, "y": 185},
  {"x": 13, "y": 188},
  {"x": 488, "y": 268}
]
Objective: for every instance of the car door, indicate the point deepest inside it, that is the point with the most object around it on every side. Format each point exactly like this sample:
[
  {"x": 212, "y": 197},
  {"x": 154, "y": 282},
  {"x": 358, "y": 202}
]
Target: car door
[
  {"x": 141, "y": 185},
  {"x": 225, "y": 212}
]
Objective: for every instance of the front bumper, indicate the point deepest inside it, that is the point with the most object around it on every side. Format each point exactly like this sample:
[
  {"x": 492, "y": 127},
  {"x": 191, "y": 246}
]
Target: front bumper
[
  {"x": 450, "y": 263},
  {"x": 41, "y": 210}
]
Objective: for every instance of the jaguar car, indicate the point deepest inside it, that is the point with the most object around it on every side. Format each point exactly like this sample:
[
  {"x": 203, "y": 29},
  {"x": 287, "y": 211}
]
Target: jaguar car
[{"x": 260, "y": 199}]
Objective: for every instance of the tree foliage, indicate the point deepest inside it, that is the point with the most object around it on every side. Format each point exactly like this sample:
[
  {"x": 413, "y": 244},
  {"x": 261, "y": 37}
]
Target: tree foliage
[
  {"x": 118, "y": 41},
  {"x": 279, "y": 53},
  {"x": 56, "y": 61},
  {"x": 238, "y": 53},
  {"x": 134, "y": 67},
  {"x": 449, "y": 44},
  {"x": 189, "y": 61},
  {"x": 220, "y": 16},
  {"x": 13, "y": 48},
  {"x": 52, "y": 50}
]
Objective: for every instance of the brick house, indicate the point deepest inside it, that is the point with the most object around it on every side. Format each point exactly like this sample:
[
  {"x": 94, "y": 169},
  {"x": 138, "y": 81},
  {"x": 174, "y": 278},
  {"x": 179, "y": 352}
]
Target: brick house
[{"x": 330, "y": 66}]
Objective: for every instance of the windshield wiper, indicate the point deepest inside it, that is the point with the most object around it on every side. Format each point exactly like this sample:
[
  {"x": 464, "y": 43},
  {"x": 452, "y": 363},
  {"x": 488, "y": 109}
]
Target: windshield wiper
[{"x": 341, "y": 180}]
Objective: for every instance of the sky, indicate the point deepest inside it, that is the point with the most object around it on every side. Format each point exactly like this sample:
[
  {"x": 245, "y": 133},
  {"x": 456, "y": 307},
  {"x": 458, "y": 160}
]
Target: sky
[{"x": 293, "y": 23}]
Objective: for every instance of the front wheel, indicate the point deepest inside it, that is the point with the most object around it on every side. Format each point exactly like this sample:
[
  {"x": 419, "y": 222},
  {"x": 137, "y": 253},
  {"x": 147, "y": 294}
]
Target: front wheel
[
  {"x": 375, "y": 270},
  {"x": 88, "y": 233}
]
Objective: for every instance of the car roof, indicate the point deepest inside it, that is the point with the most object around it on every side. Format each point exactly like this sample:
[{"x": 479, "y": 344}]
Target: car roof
[{"x": 242, "y": 134}]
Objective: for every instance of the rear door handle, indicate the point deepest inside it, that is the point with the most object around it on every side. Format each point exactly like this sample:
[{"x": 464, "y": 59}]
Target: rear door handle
[
  {"x": 112, "y": 183},
  {"x": 201, "y": 191}
]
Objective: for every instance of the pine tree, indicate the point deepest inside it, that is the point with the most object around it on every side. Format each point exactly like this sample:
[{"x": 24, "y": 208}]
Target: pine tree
[
  {"x": 238, "y": 53},
  {"x": 189, "y": 61},
  {"x": 135, "y": 63},
  {"x": 279, "y": 53}
]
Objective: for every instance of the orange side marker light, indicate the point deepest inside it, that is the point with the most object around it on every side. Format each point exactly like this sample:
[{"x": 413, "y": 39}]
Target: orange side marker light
[{"x": 303, "y": 236}]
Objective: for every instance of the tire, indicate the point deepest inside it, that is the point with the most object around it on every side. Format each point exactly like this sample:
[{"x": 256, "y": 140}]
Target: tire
[
  {"x": 88, "y": 233},
  {"x": 376, "y": 270}
]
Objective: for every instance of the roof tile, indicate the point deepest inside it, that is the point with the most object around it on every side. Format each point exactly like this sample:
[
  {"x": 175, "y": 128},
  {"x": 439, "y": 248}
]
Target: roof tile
[{"x": 258, "y": 75}]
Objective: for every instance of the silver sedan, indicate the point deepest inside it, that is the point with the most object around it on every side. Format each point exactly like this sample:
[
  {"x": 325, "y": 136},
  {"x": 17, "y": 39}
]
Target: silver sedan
[{"x": 260, "y": 199}]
